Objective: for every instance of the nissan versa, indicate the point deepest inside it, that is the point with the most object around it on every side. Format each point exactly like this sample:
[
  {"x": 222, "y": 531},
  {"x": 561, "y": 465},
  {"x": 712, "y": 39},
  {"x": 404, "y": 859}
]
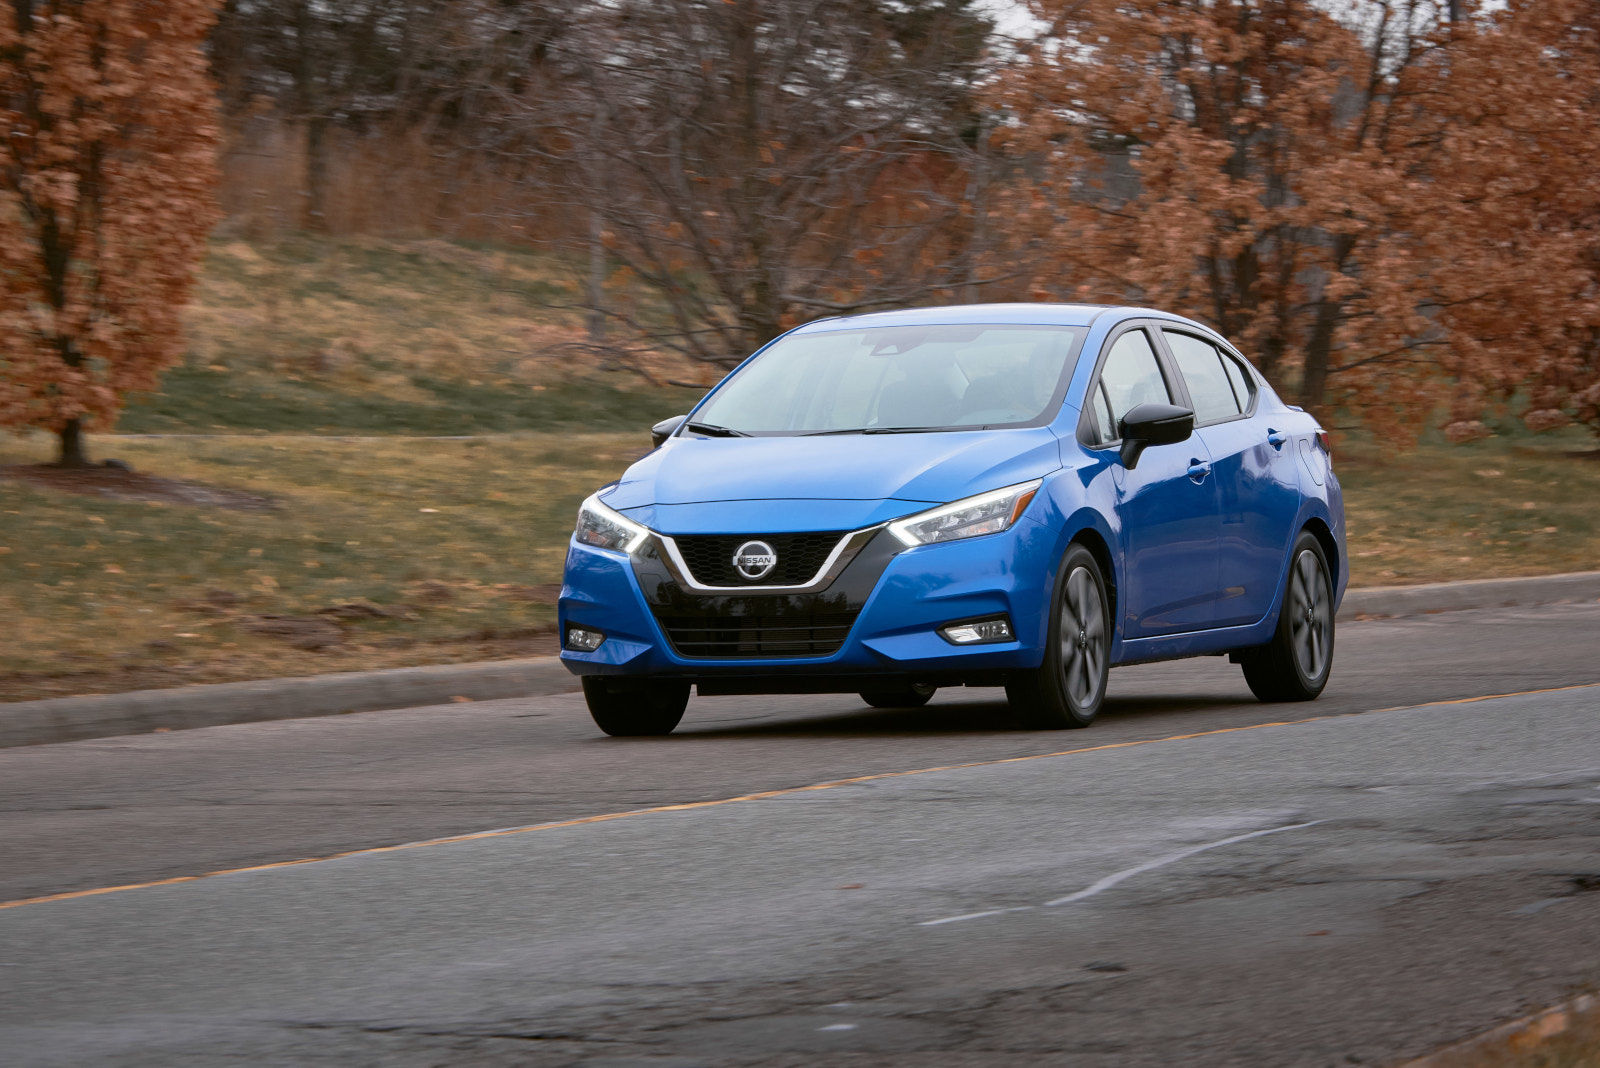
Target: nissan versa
[{"x": 1017, "y": 495}]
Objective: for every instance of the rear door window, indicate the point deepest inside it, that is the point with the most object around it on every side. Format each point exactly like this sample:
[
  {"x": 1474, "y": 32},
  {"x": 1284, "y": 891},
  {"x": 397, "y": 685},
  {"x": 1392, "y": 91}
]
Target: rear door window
[
  {"x": 1244, "y": 387},
  {"x": 1201, "y": 364}
]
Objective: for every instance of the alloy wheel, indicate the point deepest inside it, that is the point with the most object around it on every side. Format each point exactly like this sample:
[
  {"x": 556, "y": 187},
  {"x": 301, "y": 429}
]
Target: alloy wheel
[
  {"x": 1083, "y": 637},
  {"x": 1310, "y": 615}
]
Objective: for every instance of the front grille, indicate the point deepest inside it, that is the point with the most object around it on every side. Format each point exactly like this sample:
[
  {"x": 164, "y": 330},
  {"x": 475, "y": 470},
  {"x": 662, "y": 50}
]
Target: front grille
[
  {"x": 709, "y": 557},
  {"x": 790, "y": 634}
]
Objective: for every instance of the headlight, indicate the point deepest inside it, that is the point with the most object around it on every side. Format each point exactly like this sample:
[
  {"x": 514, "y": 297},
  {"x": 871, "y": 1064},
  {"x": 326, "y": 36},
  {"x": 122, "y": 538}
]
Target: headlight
[
  {"x": 606, "y": 528},
  {"x": 987, "y": 513}
]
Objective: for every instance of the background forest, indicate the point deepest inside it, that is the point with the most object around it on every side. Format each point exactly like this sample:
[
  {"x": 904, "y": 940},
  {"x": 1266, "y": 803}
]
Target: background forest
[{"x": 1391, "y": 205}]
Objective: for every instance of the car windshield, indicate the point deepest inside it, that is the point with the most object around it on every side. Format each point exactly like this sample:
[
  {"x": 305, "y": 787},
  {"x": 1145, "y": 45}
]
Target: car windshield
[{"x": 897, "y": 379}]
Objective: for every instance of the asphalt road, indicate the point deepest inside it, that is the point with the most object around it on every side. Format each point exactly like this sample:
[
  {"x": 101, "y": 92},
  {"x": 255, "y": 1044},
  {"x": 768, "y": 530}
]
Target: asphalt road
[{"x": 1354, "y": 889}]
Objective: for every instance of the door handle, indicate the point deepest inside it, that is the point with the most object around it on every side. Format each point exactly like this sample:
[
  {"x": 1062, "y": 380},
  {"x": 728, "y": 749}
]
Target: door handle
[
  {"x": 1198, "y": 470},
  {"x": 1276, "y": 438}
]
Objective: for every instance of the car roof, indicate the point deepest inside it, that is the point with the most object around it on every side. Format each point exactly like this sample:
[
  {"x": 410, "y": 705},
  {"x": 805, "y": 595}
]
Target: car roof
[{"x": 997, "y": 314}]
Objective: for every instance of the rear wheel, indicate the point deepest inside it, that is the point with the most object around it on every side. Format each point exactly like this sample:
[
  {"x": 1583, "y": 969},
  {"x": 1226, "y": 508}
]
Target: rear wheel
[
  {"x": 909, "y": 695},
  {"x": 631, "y": 707},
  {"x": 1295, "y": 665},
  {"x": 1068, "y": 688}
]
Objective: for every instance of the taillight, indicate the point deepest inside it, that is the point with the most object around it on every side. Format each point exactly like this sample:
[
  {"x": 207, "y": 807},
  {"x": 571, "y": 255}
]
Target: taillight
[{"x": 1325, "y": 442}]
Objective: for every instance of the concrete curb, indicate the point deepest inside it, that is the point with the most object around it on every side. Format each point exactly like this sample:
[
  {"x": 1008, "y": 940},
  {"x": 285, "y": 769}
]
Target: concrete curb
[
  {"x": 1572, "y": 588},
  {"x": 70, "y": 719}
]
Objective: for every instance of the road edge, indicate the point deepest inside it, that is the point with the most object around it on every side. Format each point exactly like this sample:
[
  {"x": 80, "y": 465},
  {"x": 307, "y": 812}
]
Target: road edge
[
  {"x": 71, "y": 719},
  {"x": 1523, "y": 1032}
]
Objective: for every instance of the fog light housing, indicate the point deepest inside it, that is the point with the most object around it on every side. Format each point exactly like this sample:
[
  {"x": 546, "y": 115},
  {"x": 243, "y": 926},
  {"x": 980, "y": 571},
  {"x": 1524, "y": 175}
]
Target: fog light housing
[
  {"x": 584, "y": 640},
  {"x": 978, "y": 631}
]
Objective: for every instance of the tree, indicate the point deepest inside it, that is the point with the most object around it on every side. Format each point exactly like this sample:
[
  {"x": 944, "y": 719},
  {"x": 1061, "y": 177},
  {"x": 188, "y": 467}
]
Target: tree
[
  {"x": 1246, "y": 162},
  {"x": 754, "y": 163},
  {"x": 1512, "y": 215},
  {"x": 105, "y": 202}
]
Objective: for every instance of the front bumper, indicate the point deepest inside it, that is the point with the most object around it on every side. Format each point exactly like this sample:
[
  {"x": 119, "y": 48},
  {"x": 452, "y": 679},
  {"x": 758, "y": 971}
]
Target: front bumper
[{"x": 899, "y": 598}]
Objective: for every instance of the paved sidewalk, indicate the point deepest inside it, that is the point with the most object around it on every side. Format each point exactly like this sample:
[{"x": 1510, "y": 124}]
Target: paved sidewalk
[{"x": 67, "y": 719}]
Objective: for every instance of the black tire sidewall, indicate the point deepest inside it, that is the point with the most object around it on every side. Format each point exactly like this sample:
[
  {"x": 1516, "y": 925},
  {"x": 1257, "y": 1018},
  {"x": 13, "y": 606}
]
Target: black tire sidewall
[
  {"x": 908, "y": 696},
  {"x": 635, "y": 707},
  {"x": 1055, "y": 674},
  {"x": 1311, "y": 686}
]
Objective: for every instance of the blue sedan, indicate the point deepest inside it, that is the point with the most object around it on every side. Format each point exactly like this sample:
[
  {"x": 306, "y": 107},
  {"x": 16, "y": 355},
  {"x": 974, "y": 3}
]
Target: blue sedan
[{"x": 1016, "y": 495}]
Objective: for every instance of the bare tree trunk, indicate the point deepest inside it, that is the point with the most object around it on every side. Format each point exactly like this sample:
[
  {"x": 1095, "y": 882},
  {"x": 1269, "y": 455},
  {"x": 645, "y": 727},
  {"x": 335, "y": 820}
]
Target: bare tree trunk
[
  {"x": 1314, "y": 377},
  {"x": 71, "y": 453},
  {"x": 314, "y": 216},
  {"x": 1319, "y": 347},
  {"x": 595, "y": 294},
  {"x": 309, "y": 104},
  {"x": 978, "y": 202}
]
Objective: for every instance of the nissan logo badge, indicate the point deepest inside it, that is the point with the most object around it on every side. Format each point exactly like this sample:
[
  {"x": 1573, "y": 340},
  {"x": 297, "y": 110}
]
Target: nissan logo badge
[{"x": 754, "y": 559}]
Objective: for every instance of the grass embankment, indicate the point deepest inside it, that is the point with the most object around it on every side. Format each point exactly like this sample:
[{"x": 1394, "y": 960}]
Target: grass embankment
[
  {"x": 389, "y": 551},
  {"x": 395, "y": 550},
  {"x": 1491, "y": 509},
  {"x": 384, "y": 337},
  {"x": 375, "y": 552}
]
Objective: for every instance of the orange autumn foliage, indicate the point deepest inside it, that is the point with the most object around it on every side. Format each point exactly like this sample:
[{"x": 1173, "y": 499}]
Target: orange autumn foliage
[
  {"x": 1392, "y": 212},
  {"x": 1515, "y": 214},
  {"x": 106, "y": 198}
]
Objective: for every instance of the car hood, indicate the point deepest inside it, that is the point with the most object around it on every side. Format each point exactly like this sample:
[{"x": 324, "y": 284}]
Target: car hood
[{"x": 847, "y": 480}]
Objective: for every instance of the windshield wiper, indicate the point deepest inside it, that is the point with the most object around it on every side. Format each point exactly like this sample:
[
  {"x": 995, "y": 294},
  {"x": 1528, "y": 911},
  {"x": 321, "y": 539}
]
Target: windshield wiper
[
  {"x": 876, "y": 430},
  {"x": 712, "y": 430}
]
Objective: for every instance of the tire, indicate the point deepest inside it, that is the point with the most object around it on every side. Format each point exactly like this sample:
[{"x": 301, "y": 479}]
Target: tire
[
  {"x": 1067, "y": 689},
  {"x": 1295, "y": 665},
  {"x": 626, "y": 708},
  {"x": 909, "y": 695}
]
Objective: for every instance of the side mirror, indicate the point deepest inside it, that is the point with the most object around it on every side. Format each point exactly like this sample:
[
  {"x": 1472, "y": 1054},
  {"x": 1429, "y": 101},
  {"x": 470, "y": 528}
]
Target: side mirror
[
  {"x": 663, "y": 430},
  {"x": 1153, "y": 424}
]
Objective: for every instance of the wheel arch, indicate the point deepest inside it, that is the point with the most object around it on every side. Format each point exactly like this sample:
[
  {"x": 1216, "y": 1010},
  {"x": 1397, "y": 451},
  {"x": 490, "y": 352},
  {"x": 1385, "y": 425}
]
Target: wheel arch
[
  {"x": 1319, "y": 529},
  {"x": 1095, "y": 542}
]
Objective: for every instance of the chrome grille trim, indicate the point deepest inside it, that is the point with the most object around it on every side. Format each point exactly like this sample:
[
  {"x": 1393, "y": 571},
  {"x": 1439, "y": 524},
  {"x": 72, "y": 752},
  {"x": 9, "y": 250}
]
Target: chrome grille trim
[{"x": 836, "y": 562}]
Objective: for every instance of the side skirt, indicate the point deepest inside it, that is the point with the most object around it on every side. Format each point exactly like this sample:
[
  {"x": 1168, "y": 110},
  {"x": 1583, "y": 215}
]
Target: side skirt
[{"x": 1197, "y": 642}]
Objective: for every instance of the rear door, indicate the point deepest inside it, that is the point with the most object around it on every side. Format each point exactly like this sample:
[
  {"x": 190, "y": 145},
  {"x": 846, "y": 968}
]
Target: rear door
[
  {"x": 1254, "y": 477},
  {"x": 1167, "y": 506}
]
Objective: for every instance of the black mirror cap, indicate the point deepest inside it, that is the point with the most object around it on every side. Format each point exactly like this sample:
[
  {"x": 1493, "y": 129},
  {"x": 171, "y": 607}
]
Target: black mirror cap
[
  {"x": 664, "y": 429},
  {"x": 1153, "y": 424}
]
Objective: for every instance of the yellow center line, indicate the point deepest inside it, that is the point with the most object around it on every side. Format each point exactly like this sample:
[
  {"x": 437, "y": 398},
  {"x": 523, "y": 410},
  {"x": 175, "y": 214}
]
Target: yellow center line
[{"x": 762, "y": 795}]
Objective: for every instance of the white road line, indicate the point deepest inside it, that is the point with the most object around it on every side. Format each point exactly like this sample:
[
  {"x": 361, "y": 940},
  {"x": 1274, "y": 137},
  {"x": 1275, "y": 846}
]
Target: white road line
[
  {"x": 1112, "y": 880},
  {"x": 1172, "y": 858},
  {"x": 973, "y": 916}
]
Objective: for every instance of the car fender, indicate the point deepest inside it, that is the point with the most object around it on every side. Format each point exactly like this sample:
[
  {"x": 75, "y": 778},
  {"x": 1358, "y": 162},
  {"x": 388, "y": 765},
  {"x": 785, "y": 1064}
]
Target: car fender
[{"x": 1069, "y": 506}]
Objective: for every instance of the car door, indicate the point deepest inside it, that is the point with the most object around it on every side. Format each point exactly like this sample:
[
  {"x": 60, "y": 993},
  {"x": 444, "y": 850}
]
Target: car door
[
  {"x": 1252, "y": 468},
  {"x": 1167, "y": 506}
]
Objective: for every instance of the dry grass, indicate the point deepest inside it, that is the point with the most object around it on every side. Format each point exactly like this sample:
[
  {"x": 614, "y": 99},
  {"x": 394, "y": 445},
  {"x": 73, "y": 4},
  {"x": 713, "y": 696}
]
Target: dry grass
[
  {"x": 449, "y": 549},
  {"x": 371, "y": 335},
  {"x": 1490, "y": 509},
  {"x": 384, "y": 181},
  {"x": 374, "y": 314},
  {"x": 459, "y": 544},
  {"x": 1575, "y": 1045}
]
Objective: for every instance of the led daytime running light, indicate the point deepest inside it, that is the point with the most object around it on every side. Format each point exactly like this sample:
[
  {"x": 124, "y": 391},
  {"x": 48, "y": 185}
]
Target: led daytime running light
[
  {"x": 606, "y": 528},
  {"x": 987, "y": 513}
]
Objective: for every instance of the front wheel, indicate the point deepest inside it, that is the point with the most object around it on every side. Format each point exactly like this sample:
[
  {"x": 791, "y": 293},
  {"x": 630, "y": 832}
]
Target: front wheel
[
  {"x": 908, "y": 695},
  {"x": 1295, "y": 665},
  {"x": 625, "y": 708},
  {"x": 1068, "y": 688}
]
